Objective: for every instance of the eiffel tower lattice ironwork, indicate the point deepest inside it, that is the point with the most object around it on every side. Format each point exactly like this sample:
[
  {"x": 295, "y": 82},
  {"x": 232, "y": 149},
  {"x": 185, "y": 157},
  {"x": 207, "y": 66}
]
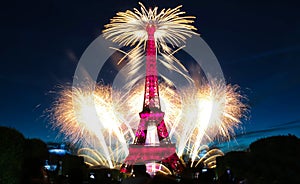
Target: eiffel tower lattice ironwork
[{"x": 152, "y": 143}]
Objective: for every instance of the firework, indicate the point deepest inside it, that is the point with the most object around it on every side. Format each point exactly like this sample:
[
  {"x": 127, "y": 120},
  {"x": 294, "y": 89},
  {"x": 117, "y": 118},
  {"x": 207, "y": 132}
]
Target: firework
[
  {"x": 211, "y": 111},
  {"x": 208, "y": 159},
  {"x": 89, "y": 118},
  {"x": 96, "y": 119},
  {"x": 130, "y": 29}
]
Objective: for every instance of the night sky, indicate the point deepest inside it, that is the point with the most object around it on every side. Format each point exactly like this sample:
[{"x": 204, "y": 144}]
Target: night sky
[{"x": 256, "y": 42}]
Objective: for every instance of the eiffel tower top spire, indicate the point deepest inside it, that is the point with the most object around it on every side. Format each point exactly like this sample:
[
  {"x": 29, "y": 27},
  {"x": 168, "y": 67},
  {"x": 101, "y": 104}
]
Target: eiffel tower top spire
[{"x": 151, "y": 95}]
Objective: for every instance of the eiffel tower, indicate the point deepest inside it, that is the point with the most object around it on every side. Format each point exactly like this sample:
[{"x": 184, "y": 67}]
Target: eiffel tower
[{"x": 152, "y": 143}]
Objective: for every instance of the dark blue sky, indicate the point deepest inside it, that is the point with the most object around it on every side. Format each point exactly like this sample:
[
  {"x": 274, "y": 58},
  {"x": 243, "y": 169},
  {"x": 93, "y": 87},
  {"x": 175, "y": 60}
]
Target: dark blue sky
[{"x": 256, "y": 42}]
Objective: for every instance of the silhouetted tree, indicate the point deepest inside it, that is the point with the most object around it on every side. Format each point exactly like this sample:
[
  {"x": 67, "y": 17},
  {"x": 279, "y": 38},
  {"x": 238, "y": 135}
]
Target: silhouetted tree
[
  {"x": 269, "y": 160},
  {"x": 35, "y": 154},
  {"x": 11, "y": 155},
  {"x": 275, "y": 159}
]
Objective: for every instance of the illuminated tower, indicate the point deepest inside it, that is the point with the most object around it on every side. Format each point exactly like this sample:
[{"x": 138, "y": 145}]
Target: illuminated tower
[{"x": 152, "y": 143}]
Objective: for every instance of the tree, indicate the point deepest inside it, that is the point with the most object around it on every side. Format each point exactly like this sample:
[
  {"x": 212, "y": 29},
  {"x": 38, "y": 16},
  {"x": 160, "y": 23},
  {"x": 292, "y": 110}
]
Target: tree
[
  {"x": 11, "y": 155},
  {"x": 269, "y": 160},
  {"x": 275, "y": 159},
  {"x": 35, "y": 154}
]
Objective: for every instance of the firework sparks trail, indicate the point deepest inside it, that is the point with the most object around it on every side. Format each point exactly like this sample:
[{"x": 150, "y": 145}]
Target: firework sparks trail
[
  {"x": 190, "y": 120},
  {"x": 209, "y": 157},
  {"x": 130, "y": 29},
  {"x": 89, "y": 117},
  {"x": 212, "y": 110}
]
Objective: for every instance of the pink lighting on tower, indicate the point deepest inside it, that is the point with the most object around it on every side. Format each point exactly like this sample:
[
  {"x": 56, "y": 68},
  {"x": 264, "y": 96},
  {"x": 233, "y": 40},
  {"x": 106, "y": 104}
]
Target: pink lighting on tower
[{"x": 152, "y": 143}]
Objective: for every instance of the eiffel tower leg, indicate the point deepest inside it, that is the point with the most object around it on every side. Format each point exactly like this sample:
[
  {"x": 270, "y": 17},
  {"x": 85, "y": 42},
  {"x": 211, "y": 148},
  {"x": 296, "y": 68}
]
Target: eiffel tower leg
[
  {"x": 140, "y": 134},
  {"x": 163, "y": 134},
  {"x": 174, "y": 163}
]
